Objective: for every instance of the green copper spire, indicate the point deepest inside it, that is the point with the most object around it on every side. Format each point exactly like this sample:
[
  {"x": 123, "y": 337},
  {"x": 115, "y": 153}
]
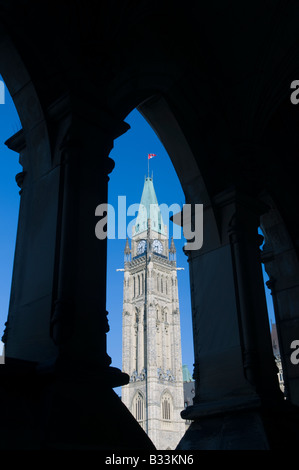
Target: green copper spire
[{"x": 149, "y": 209}]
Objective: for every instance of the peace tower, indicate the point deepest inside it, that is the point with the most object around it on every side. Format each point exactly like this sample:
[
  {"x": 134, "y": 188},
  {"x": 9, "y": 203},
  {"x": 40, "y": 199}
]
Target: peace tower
[{"x": 151, "y": 327}]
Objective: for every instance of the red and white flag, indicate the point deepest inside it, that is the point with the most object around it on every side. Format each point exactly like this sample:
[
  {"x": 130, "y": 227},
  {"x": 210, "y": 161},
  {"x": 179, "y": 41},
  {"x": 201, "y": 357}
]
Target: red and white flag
[{"x": 151, "y": 155}]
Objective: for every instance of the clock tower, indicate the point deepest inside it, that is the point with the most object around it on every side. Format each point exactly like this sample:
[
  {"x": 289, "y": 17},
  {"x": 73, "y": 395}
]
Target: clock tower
[{"x": 151, "y": 327}]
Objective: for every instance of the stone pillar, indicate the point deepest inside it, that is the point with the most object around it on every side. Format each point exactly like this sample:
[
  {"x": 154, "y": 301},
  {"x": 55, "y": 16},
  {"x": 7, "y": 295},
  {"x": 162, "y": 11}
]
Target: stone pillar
[
  {"x": 26, "y": 335},
  {"x": 79, "y": 321},
  {"x": 281, "y": 264},
  {"x": 234, "y": 367}
]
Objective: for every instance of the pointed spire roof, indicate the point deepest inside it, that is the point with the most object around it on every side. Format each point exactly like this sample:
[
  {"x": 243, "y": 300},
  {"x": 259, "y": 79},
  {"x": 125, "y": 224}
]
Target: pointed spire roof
[
  {"x": 127, "y": 248},
  {"x": 172, "y": 248},
  {"x": 149, "y": 209}
]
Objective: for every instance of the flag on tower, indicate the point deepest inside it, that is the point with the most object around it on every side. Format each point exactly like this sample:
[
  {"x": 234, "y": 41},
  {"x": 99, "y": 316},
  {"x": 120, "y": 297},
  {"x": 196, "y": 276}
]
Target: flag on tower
[{"x": 151, "y": 155}]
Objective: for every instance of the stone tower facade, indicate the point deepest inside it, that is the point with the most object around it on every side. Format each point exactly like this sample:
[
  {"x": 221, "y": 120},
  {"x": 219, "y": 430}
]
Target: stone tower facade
[{"x": 151, "y": 327}]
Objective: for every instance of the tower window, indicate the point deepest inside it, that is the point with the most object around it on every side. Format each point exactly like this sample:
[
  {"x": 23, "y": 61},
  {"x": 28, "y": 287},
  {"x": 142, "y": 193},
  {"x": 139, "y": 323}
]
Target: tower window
[
  {"x": 138, "y": 407},
  {"x": 166, "y": 407}
]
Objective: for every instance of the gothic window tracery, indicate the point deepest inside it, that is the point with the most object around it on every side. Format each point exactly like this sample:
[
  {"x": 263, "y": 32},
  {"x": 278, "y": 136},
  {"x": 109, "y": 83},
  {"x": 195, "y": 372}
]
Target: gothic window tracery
[
  {"x": 166, "y": 406},
  {"x": 138, "y": 407}
]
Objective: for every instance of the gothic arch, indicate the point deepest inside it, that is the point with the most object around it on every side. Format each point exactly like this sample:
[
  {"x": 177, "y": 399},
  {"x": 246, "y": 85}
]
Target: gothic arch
[
  {"x": 26, "y": 100},
  {"x": 181, "y": 96},
  {"x": 166, "y": 401},
  {"x": 138, "y": 407},
  {"x": 216, "y": 231}
]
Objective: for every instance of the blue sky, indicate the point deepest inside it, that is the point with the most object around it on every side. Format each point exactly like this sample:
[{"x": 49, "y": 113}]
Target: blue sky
[{"x": 127, "y": 179}]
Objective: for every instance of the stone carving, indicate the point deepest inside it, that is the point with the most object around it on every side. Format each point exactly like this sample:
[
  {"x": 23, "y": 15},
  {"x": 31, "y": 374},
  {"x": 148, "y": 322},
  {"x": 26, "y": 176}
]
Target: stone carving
[
  {"x": 135, "y": 377},
  {"x": 168, "y": 375}
]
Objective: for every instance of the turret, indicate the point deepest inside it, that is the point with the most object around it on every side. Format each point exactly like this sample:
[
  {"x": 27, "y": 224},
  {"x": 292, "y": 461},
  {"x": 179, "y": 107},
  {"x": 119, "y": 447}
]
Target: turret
[
  {"x": 127, "y": 252},
  {"x": 172, "y": 251}
]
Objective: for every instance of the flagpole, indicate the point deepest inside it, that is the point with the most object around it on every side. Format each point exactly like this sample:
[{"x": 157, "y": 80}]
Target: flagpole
[{"x": 149, "y": 156}]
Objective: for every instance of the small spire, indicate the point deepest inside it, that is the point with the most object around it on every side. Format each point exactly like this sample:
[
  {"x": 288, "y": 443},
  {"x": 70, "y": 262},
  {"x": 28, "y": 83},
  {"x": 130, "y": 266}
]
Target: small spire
[
  {"x": 172, "y": 248},
  {"x": 127, "y": 247}
]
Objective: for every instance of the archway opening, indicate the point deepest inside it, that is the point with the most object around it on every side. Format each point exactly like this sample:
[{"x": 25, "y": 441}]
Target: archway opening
[
  {"x": 272, "y": 318},
  {"x": 132, "y": 166},
  {"x": 9, "y": 199}
]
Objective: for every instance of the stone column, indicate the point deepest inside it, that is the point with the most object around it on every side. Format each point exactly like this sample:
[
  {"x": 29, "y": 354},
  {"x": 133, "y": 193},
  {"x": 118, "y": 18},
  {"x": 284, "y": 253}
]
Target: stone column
[
  {"x": 26, "y": 335},
  {"x": 79, "y": 320},
  {"x": 234, "y": 366}
]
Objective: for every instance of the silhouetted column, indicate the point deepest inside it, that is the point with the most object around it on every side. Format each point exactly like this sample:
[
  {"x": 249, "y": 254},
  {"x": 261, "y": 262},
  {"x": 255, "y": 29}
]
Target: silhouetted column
[
  {"x": 79, "y": 321},
  {"x": 234, "y": 365},
  {"x": 27, "y": 335},
  {"x": 258, "y": 360}
]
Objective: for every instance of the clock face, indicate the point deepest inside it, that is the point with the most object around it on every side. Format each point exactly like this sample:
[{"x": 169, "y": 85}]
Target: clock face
[
  {"x": 157, "y": 246},
  {"x": 141, "y": 247}
]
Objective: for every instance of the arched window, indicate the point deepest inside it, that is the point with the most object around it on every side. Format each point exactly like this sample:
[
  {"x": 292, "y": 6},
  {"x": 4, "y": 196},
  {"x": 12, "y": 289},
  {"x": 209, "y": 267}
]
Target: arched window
[
  {"x": 138, "y": 285},
  {"x": 138, "y": 408},
  {"x": 165, "y": 315},
  {"x": 166, "y": 407}
]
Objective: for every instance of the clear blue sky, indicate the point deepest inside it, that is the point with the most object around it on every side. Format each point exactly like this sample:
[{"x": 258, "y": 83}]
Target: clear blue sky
[{"x": 130, "y": 156}]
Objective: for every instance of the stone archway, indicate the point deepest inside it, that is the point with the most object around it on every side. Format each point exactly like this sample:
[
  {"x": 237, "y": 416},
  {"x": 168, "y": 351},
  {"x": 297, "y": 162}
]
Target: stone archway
[
  {"x": 233, "y": 364},
  {"x": 231, "y": 341}
]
